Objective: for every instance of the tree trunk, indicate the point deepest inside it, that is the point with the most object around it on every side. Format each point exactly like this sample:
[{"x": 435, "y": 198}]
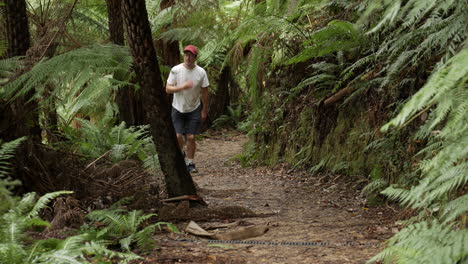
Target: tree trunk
[
  {"x": 170, "y": 50},
  {"x": 114, "y": 12},
  {"x": 17, "y": 28},
  {"x": 22, "y": 114},
  {"x": 178, "y": 180},
  {"x": 19, "y": 117},
  {"x": 221, "y": 99},
  {"x": 127, "y": 98}
]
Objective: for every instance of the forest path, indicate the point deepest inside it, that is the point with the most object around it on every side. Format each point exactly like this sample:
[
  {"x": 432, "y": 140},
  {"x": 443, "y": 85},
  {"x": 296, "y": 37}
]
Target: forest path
[{"x": 295, "y": 206}]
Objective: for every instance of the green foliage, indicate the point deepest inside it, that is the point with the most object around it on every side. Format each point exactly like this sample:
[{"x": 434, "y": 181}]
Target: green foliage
[
  {"x": 231, "y": 119},
  {"x": 117, "y": 142},
  {"x": 438, "y": 194},
  {"x": 445, "y": 166},
  {"x": 336, "y": 36},
  {"x": 7, "y": 70},
  {"x": 7, "y": 150},
  {"x": 22, "y": 215},
  {"x": 83, "y": 79},
  {"x": 125, "y": 228},
  {"x": 426, "y": 242},
  {"x": 16, "y": 248}
]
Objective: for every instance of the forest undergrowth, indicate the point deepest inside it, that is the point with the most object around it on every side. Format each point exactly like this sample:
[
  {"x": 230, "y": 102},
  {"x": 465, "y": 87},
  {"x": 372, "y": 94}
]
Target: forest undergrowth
[{"x": 374, "y": 90}]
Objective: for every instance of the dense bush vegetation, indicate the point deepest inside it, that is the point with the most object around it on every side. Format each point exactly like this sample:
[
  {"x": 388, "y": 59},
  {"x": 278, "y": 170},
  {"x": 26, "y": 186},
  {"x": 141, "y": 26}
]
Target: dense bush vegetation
[{"x": 371, "y": 89}]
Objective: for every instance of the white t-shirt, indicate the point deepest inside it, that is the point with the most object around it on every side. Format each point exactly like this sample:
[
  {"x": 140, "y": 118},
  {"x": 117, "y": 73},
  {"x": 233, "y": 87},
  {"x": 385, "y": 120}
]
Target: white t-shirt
[{"x": 187, "y": 100}]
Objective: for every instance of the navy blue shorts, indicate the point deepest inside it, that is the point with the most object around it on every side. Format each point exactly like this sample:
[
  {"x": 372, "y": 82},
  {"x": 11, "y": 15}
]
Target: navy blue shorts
[{"x": 187, "y": 123}]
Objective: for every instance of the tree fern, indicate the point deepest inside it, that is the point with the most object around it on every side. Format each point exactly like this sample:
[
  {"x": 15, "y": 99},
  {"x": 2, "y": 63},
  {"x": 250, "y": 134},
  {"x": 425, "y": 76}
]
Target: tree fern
[
  {"x": 426, "y": 242},
  {"x": 446, "y": 170},
  {"x": 436, "y": 28},
  {"x": 88, "y": 72}
]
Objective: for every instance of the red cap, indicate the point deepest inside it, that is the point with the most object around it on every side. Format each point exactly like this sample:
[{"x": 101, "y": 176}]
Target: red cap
[{"x": 192, "y": 49}]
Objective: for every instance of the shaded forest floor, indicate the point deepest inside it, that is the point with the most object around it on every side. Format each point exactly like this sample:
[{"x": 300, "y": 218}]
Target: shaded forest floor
[{"x": 295, "y": 207}]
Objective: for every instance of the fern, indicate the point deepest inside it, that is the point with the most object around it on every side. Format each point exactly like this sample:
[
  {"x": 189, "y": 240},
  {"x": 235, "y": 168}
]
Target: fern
[
  {"x": 43, "y": 201},
  {"x": 438, "y": 195},
  {"x": 118, "y": 142},
  {"x": 125, "y": 228},
  {"x": 337, "y": 36},
  {"x": 426, "y": 242},
  {"x": 7, "y": 151},
  {"x": 443, "y": 175},
  {"x": 376, "y": 186},
  {"x": 82, "y": 87},
  {"x": 232, "y": 118},
  {"x": 6, "y": 182}
]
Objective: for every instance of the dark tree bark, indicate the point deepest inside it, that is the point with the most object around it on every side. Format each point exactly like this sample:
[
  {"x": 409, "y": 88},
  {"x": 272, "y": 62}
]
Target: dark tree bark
[
  {"x": 128, "y": 99},
  {"x": 169, "y": 50},
  {"x": 221, "y": 99},
  {"x": 17, "y": 28},
  {"x": 115, "y": 21},
  {"x": 178, "y": 180},
  {"x": 19, "y": 117},
  {"x": 22, "y": 115}
]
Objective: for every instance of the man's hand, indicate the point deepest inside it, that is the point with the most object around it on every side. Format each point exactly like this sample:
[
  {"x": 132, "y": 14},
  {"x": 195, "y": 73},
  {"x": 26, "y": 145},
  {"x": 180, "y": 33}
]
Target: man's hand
[
  {"x": 187, "y": 85},
  {"x": 204, "y": 114},
  {"x": 170, "y": 89}
]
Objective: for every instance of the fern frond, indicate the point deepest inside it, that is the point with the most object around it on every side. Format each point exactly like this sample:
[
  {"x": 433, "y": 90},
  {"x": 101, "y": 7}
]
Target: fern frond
[
  {"x": 417, "y": 243},
  {"x": 12, "y": 229},
  {"x": 7, "y": 151},
  {"x": 337, "y": 36},
  {"x": 93, "y": 248},
  {"x": 375, "y": 186},
  {"x": 254, "y": 68},
  {"x": 451, "y": 75},
  {"x": 60, "y": 257},
  {"x": 43, "y": 201},
  {"x": 12, "y": 253},
  {"x": 144, "y": 238},
  {"x": 455, "y": 208}
]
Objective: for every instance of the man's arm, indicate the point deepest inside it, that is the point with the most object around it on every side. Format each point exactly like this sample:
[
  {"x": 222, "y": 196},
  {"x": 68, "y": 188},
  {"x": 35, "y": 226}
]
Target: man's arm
[
  {"x": 204, "y": 114},
  {"x": 170, "y": 89}
]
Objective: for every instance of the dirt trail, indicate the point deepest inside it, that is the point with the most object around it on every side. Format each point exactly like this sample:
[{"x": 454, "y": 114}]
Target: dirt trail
[{"x": 295, "y": 206}]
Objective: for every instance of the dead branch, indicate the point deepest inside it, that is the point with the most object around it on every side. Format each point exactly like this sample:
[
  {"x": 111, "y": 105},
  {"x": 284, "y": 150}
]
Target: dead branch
[{"x": 337, "y": 96}]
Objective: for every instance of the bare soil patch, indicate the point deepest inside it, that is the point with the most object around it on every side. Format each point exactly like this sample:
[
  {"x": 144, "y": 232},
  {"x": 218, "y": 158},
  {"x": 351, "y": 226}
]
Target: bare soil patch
[{"x": 324, "y": 214}]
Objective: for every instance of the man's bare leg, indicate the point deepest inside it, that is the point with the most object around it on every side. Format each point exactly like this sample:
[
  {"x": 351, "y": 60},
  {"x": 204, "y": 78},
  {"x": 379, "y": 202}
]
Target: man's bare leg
[
  {"x": 180, "y": 140},
  {"x": 191, "y": 146}
]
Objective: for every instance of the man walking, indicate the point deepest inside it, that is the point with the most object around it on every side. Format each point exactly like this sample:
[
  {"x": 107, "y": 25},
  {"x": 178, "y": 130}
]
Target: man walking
[{"x": 189, "y": 83}]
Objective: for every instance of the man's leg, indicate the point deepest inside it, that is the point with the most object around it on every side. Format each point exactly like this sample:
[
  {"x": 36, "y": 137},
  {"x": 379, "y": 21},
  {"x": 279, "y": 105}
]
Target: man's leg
[
  {"x": 178, "y": 122},
  {"x": 180, "y": 140},
  {"x": 194, "y": 121},
  {"x": 191, "y": 146}
]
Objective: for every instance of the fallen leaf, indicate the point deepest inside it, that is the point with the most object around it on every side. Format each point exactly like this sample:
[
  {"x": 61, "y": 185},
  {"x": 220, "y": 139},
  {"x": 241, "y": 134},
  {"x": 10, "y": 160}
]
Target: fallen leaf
[{"x": 221, "y": 246}]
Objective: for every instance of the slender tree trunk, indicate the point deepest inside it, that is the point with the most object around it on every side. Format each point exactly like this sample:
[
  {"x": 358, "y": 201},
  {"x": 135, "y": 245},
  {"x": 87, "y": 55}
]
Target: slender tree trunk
[
  {"x": 17, "y": 28},
  {"x": 221, "y": 99},
  {"x": 21, "y": 114},
  {"x": 128, "y": 99},
  {"x": 170, "y": 50},
  {"x": 116, "y": 30},
  {"x": 178, "y": 180}
]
